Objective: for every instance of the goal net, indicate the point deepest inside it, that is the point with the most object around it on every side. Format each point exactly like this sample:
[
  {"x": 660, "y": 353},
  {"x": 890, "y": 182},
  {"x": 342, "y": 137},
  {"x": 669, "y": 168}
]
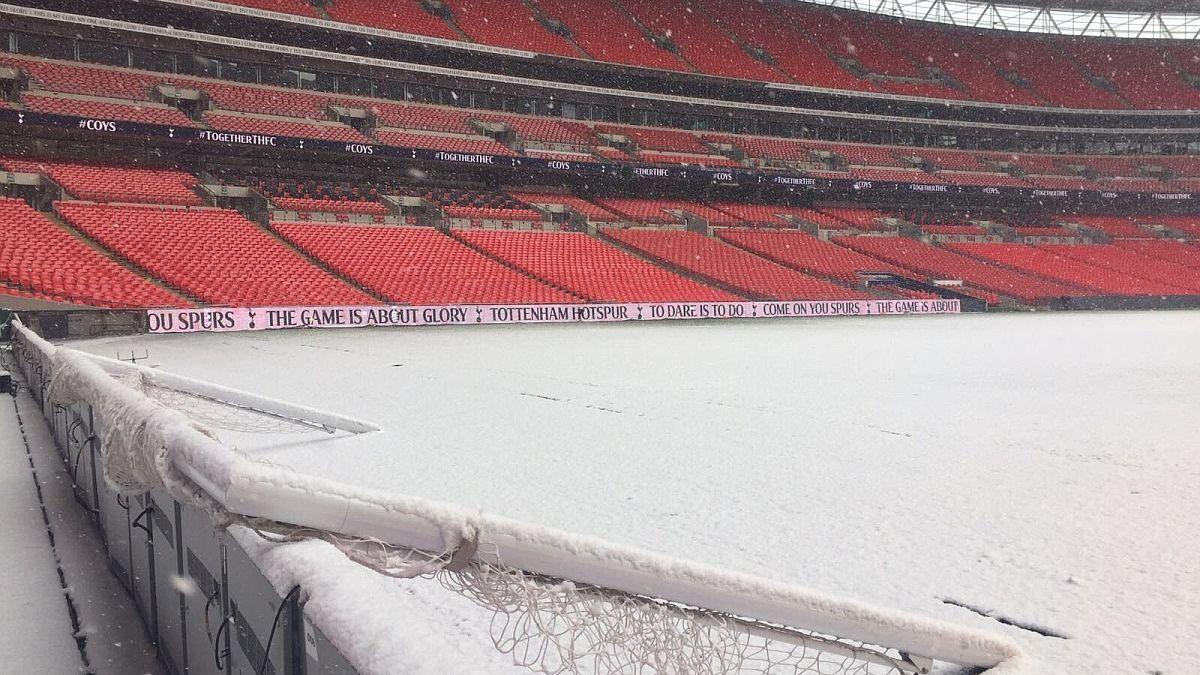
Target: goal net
[{"x": 560, "y": 603}]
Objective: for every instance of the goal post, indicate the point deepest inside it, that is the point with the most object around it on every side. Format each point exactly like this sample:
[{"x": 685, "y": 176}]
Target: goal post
[{"x": 581, "y": 602}]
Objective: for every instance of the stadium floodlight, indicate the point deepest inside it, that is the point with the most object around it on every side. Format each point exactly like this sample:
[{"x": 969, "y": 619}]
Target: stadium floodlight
[{"x": 562, "y": 602}]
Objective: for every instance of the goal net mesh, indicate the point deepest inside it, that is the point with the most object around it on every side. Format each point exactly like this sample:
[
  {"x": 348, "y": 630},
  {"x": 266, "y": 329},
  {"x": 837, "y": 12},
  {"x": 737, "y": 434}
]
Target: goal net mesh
[{"x": 548, "y": 625}]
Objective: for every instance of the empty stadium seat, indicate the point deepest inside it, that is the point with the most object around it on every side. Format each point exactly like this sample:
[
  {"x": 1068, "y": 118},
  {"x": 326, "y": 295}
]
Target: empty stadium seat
[
  {"x": 47, "y": 262},
  {"x": 806, "y": 253},
  {"x": 464, "y": 144},
  {"x": 272, "y": 126},
  {"x": 590, "y": 268},
  {"x": 942, "y": 264},
  {"x": 1043, "y": 263},
  {"x": 731, "y": 266},
  {"x": 216, "y": 255},
  {"x": 107, "y": 109},
  {"x": 310, "y": 205},
  {"x": 107, "y": 183},
  {"x": 417, "y": 265}
]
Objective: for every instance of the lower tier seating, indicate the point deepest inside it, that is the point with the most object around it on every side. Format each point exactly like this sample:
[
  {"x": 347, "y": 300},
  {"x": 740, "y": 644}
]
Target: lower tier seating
[
  {"x": 939, "y": 263},
  {"x": 1164, "y": 249},
  {"x": 590, "y": 268},
  {"x": 731, "y": 266},
  {"x": 418, "y": 265},
  {"x": 1134, "y": 265},
  {"x": 46, "y": 261},
  {"x": 215, "y": 255},
  {"x": 806, "y": 253},
  {"x": 114, "y": 184},
  {"x": 1045, "y": 264}
]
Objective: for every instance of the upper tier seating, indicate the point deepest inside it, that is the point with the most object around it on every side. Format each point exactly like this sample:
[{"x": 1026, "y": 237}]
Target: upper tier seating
[
  {"x": 326, "y": 131},
  {"x": 1048, "y": 71},
  {"x": 417, "y": 265},
  {"x": 1127, "y": 262},
  {"x": 1187, "y": 224},
  {"x": 121, "y": 111},
  {"x": 46, "y": 261},
  {"x": 939, "y": 263},
  {"x": 655, "y": 157},
  {"x": 843, "y": 35},
  {"x": 1139, "y": 72},
  {"x": 310, "y": 205},
  {"x": 1045, "y": 264},
  {"x": 942, "y": 48},
  {"x": 216, "y": 255},
  {"x": 114, "y": 184},
  {"x": 731, "y": 266},
  {"x": 701, "y": 42},
  {"x": 608, "y": 34},
  {"x": 806, "y": 253},
  {"x": 465, "y": 144},
  {"x": 794, "y": 51},
  {"x": 649, "y": 211},
  {"x": 508, "y": 23},
  {"x": 591, "y": 211},
  {"x": 299, "y": 7},
  {"x": 590, "y": 268},
  {"x": 405, "y": 16}
]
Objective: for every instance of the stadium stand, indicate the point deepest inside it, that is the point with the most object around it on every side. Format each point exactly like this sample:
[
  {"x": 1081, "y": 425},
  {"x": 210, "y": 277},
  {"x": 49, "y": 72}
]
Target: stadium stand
[
  {"x": 730, "y": 266},
  {"x": 405, "y": 16},
  {"x": 509, "y": 23},
  {"x": 311, "y": 205},
  {"x": 40, "y": 259},
  {"x": 806, "y": 253},
  {"x": 590, "y": 211},
  {"x": 417, "y": 265},
  {"x": 590, "y": 268},
  {"x": 275, "y": 126},
  {"x": 215, "y": 255},
  {"x": 1043, "y": 263},
  {"x": 108, "y": 183},
  {"x": 608, "y": 32},
  {"x": 1163, "y": 249},
  {"x": 942, "y": 264},
  {"x": 404, "y": 139},
  {"x": 1134, "y": 265},
  {"x": 107, "y": 109}
]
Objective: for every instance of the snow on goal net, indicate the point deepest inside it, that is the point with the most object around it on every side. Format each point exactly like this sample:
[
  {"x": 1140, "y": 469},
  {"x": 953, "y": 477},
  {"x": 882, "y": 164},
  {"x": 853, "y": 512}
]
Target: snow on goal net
[{"x": 559, "y": 602}]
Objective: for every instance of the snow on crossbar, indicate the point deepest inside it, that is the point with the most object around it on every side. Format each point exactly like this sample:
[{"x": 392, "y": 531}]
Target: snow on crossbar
[{"x": 562, "y": 602}]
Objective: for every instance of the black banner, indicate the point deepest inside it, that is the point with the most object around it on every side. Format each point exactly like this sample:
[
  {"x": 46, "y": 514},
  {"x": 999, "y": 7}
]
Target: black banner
[{"x": 691, "y": 174}]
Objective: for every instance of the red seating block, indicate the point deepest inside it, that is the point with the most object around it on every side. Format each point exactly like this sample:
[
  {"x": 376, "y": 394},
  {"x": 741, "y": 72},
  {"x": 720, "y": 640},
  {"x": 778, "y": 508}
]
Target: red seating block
[
  {"x": 590, "y": 268},
  {"x": 108, "y": 110},
  {"x": 279, "y": 127},
  {"x": 939, "y": 263},
  {"x": 214, "y": 254},
  {"x": 46, "y": 261},
  {"x": 310, "y": 205},
  {"x": 508, "y": 23},
  {"x": 299, "y": 7},
  {"x": 731, "y": 266},
  {"x": 405, "y": 16},
  {"x": 1043, "y": 263},
  {"x": 1127, "y": 262},
  {"x": 806, "y": 253},
  {"x": 473, "y": 145},
  {"x": 419, "y": 266},
  {"x": 114, "y": 184}
]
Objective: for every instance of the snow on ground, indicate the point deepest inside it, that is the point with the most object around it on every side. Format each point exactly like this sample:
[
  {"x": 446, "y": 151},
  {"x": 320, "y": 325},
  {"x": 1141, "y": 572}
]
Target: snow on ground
[
  {"x": 1036, "y": 467},
  {"x": 36, "y": 633},
  {"x": 31, "y": 595}
]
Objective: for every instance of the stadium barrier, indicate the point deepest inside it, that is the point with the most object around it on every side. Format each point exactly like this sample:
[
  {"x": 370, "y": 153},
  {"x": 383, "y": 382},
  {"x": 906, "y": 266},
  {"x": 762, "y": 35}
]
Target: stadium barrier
[
  {"x": 216, "y": 319},
  {"x": 172, "y": 502}
]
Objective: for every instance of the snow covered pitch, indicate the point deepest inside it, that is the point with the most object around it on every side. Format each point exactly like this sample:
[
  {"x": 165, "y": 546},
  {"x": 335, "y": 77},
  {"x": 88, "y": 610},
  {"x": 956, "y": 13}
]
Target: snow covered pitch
[{"x": 1039, "y": 469}]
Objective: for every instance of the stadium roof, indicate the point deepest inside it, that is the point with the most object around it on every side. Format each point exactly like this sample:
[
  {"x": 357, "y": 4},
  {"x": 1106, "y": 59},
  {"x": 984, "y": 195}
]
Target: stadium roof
[{"x": 1172, "y": 19}]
